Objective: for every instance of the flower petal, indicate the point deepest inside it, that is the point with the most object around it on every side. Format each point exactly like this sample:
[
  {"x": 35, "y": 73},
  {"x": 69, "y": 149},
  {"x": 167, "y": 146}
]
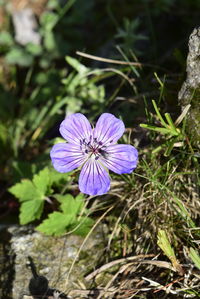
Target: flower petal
[
  {"x": 94, "y": 179},
  {"x": 76, "y": 127},
  {"x": 120, "y": 158},
  {"x": 66, "y": 157},
  {"x": 108, "y": 129}
]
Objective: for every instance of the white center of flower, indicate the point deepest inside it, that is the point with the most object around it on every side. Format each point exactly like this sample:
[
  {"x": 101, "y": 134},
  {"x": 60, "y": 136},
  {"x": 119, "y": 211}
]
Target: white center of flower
[{"x": 93, "y": 148}]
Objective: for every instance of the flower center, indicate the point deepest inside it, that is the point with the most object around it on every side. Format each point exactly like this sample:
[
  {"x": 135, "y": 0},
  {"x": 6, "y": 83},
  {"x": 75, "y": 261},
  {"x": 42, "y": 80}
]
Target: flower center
[{"x": 93, "y": 148}]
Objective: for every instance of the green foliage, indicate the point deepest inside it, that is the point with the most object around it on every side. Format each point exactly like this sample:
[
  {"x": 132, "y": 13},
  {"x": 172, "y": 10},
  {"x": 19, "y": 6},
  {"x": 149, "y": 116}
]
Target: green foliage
[
  {"x": 6, "y": 40},
  {"x": 34, "y": 119},
  {"x": 81, "y": 89},
  {"x": 31, "y": 210},
  {"x": 56, "y": 224},
  {"x": 69, "y": 204},
  {"x": 175, "y": 136},
  {"x": 19, "y": 56},
  {"x": 26, "y": 190},
  {"x": 33, "y": 193},
  {"x": 73, "y": 217}
]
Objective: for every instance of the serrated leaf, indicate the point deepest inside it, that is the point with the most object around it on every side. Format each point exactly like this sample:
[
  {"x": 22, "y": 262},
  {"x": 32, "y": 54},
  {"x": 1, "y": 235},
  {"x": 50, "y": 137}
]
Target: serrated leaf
[
  {"x": 42, "y": 181},
  {"x": 69, "y": 204},
  {"x": 56, "y": 177},
  {"x": 62, "y": 198},
  {"x": 82, "y": 226},
  {"x": 56, "y": 224},
  {"x": 25, "y": 190},
  {"x": 30, "y": 210},
  {"x": 80, "y": 196}
]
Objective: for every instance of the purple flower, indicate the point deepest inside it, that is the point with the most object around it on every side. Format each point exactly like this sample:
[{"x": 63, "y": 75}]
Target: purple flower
[{"x": 94, "y": 150}]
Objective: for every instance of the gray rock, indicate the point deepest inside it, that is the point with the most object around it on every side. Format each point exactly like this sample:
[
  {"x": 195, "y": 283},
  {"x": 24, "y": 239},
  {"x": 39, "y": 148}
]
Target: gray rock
[
  {"x": 53, "y": 258},
  {"x": 190, "y": 90},
  {"x": 25, "y": 27}
]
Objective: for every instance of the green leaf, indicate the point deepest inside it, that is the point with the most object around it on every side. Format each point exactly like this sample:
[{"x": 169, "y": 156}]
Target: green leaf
[
  {"x": 157, "y": 129},
  {"x": 56, "y": 177},
  {"x": 56, "y": 224},
  {"x": 30, "y": 210},
  {"x": 19, "y": 56},
  {"x": 82, "y": 226},
  {"x": 34, "y": 49},
  {"x": 42, "y": 181},
  {"x": 6, "y": 38},
  {"x": 158, "y": 113},
  {"x": 69, "y": 204},
  {"x": 25, "y": 190}
]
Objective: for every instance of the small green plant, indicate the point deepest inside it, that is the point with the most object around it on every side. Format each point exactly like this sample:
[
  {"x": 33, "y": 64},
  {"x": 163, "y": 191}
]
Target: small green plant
[
  {"x": 71, "y": 218},
  {"x": 32, "y": 195},
  {"x": 174, "y": 136}
]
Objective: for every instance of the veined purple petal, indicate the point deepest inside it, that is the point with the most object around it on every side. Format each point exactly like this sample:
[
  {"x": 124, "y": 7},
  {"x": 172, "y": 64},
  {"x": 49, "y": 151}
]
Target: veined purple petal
[
  {"x": 94, "y": 179},
  {"x": 120, "y": 158},
  {"x": 108, "y": 129},
  {"x": 66, "y": 157},
  {"x": 76, "y": 127}
]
